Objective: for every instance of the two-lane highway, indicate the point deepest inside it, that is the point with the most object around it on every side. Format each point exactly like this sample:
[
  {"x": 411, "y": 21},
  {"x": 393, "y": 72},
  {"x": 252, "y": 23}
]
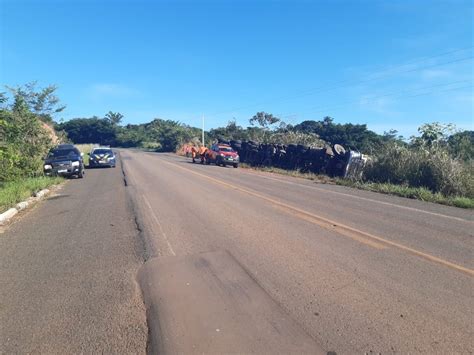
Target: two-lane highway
[
  {"x": 166, "y": 256},
  {"x": 359, "y": 271}
]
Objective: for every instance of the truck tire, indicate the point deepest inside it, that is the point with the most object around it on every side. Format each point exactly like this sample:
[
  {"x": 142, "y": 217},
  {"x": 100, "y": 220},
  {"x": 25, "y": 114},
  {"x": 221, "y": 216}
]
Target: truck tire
[{"x": 339, "y": 150}]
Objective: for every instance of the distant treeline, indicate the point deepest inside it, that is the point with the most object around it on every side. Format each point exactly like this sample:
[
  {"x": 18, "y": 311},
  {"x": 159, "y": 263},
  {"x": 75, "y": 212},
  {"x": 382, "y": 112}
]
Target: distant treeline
[
  {"x": 168, "y": 135},
  {"x": 162, "y": 135}
]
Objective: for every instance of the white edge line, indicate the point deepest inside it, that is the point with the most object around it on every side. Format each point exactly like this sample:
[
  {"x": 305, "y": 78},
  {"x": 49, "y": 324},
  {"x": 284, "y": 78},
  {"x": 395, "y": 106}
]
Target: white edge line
[
  {"x": 358, "y": 197},
  {"x": 159, "y": 225},
  {"x": 362, "y": 198}
]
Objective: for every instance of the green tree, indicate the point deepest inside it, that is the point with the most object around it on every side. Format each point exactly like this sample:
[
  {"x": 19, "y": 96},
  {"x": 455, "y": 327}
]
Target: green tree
[
  {"x": 90, "y": 130},
  {"x": 354, "y": 136},
  {"x": 114, "y": 117},
  {"x": 43, "y": 101},
  {"x": 24, "y": 141},
  {"x": 461, "y": 145},
  {"x": 266, "y": 121},
  {"x": 433, "y": 134},
  {"x": 231, "y": 131}
]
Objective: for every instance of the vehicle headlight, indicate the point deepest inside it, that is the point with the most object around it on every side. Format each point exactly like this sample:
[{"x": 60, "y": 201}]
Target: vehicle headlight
[
  {"x": 75, "y": 163},
  {"x": 47, "y": 167}
]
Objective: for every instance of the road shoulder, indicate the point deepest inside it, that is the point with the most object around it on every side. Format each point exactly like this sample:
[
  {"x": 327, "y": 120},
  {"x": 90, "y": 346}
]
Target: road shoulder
[{"x": 68, "y": 270}]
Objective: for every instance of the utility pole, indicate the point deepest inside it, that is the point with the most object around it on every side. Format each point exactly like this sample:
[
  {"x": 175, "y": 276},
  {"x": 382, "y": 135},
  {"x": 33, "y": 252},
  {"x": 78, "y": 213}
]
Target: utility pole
[{"x": 203, "y": 130}]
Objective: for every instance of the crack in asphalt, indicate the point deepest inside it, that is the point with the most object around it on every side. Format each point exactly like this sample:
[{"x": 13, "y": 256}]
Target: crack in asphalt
[{"x": 143, "y": 251}]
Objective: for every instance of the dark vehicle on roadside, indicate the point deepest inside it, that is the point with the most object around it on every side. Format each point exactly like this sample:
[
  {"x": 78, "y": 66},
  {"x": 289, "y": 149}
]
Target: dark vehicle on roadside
[
  {"x": 222, "y": 154},
  {"x": 64, "y": 160},
  {"x": 102, "y": 156}
]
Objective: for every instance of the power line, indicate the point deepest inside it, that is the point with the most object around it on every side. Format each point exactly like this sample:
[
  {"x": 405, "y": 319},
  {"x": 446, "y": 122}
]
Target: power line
[
  {"x": 375, "y": 79},
  {"x": 353, "y": 82},
  {"x": 389, "y": 94},
  {"x": 315, "y": 91},
  {"x": 396, "y": 94}
]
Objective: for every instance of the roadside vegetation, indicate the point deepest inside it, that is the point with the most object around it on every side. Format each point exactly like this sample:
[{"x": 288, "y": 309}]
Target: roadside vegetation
[
  {"x": 86, "y": 149},
  {"x": 12, "y": 192},
  {"x": 435, "y": 166},
  {"x": 417, "y": 193},
  {"x": 26, "y": 135}
]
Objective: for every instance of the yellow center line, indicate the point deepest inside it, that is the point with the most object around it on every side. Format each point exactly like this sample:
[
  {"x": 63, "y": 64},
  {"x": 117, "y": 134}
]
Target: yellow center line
[
  {"x": 326, "y": 223},
  {"x": 333, "y": 227},
  {"x": 285, "y": 181}
]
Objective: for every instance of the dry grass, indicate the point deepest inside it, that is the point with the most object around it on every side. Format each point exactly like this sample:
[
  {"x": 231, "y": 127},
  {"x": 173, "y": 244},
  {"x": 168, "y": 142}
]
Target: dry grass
[
  {"x": 86, "y": 148},
  {"x": 323, "y": 179}
]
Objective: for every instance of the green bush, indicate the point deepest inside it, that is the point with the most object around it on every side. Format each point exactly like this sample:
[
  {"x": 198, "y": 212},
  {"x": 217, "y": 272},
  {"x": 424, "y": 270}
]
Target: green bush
[
  {"x": 24, "y": 142},
  {"x": 151, "y": 145},
  {"x": 421, "y": 166}
]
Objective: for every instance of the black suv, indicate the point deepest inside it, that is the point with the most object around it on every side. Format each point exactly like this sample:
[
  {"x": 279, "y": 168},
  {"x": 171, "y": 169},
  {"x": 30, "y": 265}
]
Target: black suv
[{"x": 64, "y": 160}]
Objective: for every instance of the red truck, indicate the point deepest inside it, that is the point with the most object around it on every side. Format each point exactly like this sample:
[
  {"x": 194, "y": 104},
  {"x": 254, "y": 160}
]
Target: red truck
[{"x": 222, "y": 154}]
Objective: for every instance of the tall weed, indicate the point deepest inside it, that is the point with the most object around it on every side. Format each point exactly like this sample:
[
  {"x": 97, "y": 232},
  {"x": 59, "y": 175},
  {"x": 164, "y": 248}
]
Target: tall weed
[{"x": 420, "y": 166}]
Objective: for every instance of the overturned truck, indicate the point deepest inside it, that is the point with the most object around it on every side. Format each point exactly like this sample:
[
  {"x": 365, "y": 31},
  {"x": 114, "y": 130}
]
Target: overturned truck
[{"x": 331, "y": 160}]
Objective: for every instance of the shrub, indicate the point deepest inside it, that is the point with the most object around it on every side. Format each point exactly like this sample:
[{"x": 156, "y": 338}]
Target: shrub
[
  {"x": 151, "y": 145},
  {"x": 25, "y": 142},
  {"x": 421, "y": 166}
]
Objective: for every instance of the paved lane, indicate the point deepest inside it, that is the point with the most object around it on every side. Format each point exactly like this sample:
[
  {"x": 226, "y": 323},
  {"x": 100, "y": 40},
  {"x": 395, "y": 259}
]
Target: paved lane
[
  {"x": 360, "y": 272},
  {"x": 68, "y": 270}
]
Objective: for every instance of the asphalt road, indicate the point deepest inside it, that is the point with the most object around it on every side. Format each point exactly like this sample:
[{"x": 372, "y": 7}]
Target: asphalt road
[
  {"x": 358, "y": 271},
  {"x": 68, "y": 273},
  {"x": 233, "y": 260}
]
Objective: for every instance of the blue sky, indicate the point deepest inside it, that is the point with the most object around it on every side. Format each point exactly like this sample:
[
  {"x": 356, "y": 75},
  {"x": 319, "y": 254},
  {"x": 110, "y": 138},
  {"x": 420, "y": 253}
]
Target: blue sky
[{"x": 389, "y": 64}]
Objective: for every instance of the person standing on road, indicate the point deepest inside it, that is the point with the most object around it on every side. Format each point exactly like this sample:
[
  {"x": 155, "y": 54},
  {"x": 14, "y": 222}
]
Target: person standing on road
[
  {"x": 194, "y": 152},
  {"x": 202, "y": 152}
]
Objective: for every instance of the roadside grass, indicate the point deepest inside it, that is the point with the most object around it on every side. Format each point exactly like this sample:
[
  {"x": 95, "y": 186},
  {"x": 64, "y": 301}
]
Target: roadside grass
[
  {"x": 85, "y": 148},
  {"x": 13, "y": 192},
  {"x": 323, "y": 179},
  {"x": 417, "y": 193}
]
